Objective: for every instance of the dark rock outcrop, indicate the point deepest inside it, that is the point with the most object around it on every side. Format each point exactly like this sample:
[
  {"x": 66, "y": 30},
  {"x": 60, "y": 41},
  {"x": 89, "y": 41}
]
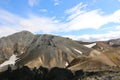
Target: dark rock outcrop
[{"x": 42, "y": 73}]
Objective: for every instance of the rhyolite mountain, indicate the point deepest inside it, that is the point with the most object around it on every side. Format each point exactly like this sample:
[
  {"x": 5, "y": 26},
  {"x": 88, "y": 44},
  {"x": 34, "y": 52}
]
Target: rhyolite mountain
[{"x": 40, "y": 50}]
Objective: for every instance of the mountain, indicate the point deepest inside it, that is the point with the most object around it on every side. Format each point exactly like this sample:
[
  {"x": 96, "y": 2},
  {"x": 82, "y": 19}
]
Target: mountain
[
  {"x": 114, "y": 42},
  {"x": 39, "y": 50},
  {"x": 25, "y": 52},
  {"x": 27, "y": 49},
  {"x": 105, "y": 56},
  {"x": 14, "y": 44}
]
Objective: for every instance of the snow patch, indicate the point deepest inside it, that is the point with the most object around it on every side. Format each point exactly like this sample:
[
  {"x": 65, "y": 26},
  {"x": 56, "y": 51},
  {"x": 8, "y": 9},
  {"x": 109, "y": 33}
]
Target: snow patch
[
  {"x": 11, "y": 60},
  {"x": 22, "y": 52},
  {"x": 78, "y": 51},
  {"x": 66, "y": 64},
  {"x": 90, "y": 45}
]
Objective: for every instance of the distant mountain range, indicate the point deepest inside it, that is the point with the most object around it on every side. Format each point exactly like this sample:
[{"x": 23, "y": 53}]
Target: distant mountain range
[{"x": 25, "y": 48}]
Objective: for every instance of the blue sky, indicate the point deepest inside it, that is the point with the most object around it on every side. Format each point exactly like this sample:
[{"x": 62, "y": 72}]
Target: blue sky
[{"x": 86, "y": 20}]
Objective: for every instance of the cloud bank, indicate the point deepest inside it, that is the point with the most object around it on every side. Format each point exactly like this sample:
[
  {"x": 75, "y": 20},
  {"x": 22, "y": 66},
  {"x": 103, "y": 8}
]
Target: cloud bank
[{"x": 77, "y": 18}]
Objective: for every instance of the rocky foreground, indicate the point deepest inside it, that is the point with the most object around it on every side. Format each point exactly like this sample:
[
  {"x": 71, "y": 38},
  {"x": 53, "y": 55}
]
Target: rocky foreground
[{"x": 56, "y": 73}]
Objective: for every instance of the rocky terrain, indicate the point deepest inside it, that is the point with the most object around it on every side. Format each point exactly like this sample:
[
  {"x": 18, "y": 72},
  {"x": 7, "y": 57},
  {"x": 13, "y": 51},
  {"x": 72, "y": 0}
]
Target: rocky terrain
[{"x": 56, "y": 73}]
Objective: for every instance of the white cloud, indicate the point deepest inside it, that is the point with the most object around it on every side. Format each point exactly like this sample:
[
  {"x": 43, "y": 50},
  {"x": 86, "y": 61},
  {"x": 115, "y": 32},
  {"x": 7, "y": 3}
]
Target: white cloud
[
  {"x": 56, "y": 2},
  {"x": 8, "y": 23},
  {"x": 96, "y": 37},
  {"x": 76, "y": 8},
  {"x": 7, "y": 17},
  {"x": 112, "y": 32},
  {"x": 36, "y": 24},
  {"x": 117, "y": 27},
  {"x": 11, "y": 23},
  {"x": 4, "y": 31},
  {"x": 79, "y": 18},
  {"x": 43, "y": 10},
  {"x": 32, "y": 2}
]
